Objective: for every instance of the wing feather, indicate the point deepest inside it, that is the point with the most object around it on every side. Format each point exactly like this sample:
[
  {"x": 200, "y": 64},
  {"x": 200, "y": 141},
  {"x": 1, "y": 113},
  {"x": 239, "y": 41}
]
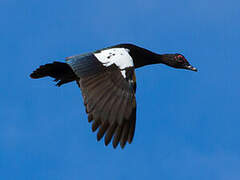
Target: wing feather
[
  {"x": 117, "y": 136},
  {"x": 109, "y": 98},
  {"x": 110, "y": 133},
  {"x": 124, "y": 135}
]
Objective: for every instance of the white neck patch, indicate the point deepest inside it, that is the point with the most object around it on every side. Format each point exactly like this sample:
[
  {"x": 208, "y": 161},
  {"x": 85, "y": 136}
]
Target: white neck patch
[{"x": 118, "y": 56}]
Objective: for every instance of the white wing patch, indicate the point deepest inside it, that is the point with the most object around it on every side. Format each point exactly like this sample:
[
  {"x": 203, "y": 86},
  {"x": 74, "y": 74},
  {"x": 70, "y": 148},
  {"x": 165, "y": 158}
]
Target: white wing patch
[{"x": 118, "y": 56}]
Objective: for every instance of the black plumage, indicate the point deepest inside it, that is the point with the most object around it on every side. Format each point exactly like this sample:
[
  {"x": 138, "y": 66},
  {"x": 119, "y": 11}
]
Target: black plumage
[{"x": 107, "y": 80}]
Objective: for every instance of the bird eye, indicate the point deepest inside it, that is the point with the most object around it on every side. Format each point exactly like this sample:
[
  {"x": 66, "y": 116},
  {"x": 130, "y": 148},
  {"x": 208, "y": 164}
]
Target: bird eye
[{"x": 180, "y": 58}]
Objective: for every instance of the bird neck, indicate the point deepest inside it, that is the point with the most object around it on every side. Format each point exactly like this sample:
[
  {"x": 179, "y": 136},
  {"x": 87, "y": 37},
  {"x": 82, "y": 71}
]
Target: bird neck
[
  {"x": 146, "y": 57},
  {"x": 142, "y": 56}
]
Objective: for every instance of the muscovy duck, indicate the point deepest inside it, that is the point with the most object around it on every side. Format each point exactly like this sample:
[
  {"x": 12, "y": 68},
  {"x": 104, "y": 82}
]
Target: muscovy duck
[{"x": 108, "y": 83}]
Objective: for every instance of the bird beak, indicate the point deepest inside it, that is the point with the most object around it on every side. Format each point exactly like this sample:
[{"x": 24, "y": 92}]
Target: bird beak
[{"x": 191, "y": 68}]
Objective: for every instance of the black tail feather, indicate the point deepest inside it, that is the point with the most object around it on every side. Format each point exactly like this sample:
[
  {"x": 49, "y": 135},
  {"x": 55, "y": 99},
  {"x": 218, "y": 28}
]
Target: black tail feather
[{"x": 61, "y": 72}]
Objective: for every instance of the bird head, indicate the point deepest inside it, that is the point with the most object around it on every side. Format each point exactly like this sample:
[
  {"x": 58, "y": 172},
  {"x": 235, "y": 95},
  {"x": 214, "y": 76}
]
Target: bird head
[{"x": 178, "y": 61}]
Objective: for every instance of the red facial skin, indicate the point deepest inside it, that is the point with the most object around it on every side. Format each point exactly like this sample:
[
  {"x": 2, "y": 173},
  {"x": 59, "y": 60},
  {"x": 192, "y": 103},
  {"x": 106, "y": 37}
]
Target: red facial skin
[{"x": 180, "y": 58}]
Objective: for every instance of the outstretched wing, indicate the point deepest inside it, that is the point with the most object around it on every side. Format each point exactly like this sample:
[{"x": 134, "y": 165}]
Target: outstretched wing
[{"x": 108, "y": 87}]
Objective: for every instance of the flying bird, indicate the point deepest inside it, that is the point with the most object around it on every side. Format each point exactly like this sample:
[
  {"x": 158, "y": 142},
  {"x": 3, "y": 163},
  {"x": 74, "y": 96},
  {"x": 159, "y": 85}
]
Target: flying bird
[{"x": 107, "y": 80}]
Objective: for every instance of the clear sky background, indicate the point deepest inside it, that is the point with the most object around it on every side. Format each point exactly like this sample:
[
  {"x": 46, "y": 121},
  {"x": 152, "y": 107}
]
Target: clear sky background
[{"x": 187, "y": 123}]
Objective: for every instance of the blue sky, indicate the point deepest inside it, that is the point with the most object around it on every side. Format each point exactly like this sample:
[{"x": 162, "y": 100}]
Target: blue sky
[{"x": 187, "y": 123}]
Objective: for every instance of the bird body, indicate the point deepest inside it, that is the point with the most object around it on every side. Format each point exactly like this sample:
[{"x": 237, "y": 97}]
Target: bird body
[
  {"x": 118, "y": 56},
  {"x": 108, "y": 83}
]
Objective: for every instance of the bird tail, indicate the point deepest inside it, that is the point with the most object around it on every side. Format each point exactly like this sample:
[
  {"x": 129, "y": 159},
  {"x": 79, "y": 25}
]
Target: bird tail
[{"x": 61, "y": 72}]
